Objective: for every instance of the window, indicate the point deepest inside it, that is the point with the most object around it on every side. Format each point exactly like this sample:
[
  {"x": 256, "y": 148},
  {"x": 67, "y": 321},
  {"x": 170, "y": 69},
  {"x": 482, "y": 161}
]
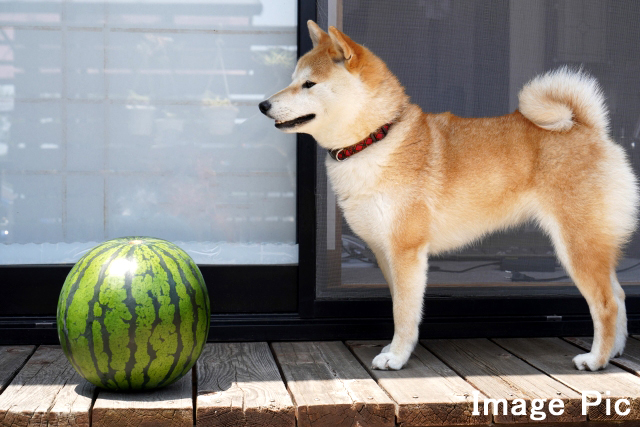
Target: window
[
  {"x": 472, "y": 58},
  {"x": 138, "y": 117}
]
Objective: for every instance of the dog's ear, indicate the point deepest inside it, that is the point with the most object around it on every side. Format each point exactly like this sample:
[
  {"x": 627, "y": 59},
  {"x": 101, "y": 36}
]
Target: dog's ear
[
  {"x": 346, "y": 49},
  {"x": 316, "y": 33}
]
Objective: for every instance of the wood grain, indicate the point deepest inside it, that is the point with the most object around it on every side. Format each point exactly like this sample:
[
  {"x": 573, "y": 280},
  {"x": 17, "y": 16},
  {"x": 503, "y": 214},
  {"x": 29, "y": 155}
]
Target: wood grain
[
  {"x": 501, "y": 375},
  {"x": 11, "y": 360},
  {"x": 47, "y": 391},
  {"x": 170, "y": 406},
  {"x": 427, "y": 392},
  {"x": 330, "y": 387},
  {"x": 239, "y": 385},
  {"x": 554, "y": 357},
  {"x": 630, "y": 359}
]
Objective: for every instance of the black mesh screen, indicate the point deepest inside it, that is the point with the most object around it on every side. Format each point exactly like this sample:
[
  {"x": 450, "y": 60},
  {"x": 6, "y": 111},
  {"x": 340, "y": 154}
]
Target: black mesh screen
[{"x": 471, "y": 58}]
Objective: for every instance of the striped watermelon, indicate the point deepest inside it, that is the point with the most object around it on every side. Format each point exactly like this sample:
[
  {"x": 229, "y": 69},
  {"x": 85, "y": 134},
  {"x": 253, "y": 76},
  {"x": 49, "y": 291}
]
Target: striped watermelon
[{"x": 133, "y": 314}]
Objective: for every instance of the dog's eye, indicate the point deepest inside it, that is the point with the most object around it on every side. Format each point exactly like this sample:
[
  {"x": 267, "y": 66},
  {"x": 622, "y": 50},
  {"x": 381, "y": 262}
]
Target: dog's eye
[{"x": 308, "y": 84}]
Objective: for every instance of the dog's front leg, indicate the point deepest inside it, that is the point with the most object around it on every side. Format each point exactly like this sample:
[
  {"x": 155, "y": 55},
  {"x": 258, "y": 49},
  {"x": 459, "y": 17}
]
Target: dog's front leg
[{"x": 408, "y": 271}]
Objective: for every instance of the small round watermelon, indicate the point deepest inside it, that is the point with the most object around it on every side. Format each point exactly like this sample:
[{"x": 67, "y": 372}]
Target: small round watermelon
[{"x": 133, "y": 314}]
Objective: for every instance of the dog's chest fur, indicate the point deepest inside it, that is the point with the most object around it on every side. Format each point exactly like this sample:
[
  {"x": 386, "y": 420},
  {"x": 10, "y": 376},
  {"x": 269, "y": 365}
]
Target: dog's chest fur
[{"x": 368, "y": 203}]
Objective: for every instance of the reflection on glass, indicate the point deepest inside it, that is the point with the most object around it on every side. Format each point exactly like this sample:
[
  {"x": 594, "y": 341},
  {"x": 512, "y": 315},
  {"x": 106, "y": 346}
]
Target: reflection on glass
[{"x": 140, "y": 117}]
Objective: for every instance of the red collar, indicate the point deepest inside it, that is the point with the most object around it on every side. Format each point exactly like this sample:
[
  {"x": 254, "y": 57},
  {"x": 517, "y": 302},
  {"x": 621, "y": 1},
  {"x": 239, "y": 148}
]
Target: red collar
[{"x": 341, "y": 154}]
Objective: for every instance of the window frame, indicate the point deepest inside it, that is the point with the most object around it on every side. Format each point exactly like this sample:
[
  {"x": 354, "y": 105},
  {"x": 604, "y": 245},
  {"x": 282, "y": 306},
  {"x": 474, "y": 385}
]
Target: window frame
[{"x": 275, "y": 302}]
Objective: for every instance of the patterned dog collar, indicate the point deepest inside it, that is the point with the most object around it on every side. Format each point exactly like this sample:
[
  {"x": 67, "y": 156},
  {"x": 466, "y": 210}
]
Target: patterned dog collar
[{"x": 341, "y": 154}]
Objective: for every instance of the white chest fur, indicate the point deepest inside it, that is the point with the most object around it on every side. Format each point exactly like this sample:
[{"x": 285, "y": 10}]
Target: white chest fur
[{"x": 366, "y": 203}]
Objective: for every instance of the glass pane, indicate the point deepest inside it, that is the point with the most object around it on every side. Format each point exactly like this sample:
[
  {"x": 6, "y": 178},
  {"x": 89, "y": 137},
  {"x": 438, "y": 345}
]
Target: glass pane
[
  {"x": 138, "y": 117},
  {"x": 472, "y": 58}
]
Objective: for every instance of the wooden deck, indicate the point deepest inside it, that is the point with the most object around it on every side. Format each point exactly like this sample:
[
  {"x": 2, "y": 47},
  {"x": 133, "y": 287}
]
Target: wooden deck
[{"x": 330, "y": 384}]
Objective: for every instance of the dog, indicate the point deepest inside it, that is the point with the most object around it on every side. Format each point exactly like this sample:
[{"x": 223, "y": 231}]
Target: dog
[{"x": 413, "y": 184}]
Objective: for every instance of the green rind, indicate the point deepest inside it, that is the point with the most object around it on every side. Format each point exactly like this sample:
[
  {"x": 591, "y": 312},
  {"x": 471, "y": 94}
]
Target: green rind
[{"x": 134, "y": 316}]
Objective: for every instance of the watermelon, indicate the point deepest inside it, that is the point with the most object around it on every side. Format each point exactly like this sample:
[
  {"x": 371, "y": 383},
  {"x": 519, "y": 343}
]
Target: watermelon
[{"x": 133, "y": 314}]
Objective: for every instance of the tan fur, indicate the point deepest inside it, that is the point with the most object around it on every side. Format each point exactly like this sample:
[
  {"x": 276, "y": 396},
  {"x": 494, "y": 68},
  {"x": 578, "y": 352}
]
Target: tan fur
[{"x": 438, "y": 182}]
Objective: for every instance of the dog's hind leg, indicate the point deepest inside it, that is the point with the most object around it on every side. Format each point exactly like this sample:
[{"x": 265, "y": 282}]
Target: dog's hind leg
[
  {"x": 589, "y": 254},
  {"x": 605, "y": 312},
  {"x": 408, "y": 272},
  {"x": 621, "y": 324}
]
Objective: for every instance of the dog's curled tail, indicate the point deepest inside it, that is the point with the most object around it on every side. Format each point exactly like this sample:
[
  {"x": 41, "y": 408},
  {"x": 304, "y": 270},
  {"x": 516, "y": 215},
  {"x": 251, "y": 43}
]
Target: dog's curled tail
[{"x": 559, "y": 99}]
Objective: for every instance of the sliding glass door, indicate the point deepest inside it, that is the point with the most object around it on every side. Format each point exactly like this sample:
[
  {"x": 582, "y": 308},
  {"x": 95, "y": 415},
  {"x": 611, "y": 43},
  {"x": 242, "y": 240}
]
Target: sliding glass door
[{"x": 472, "y": 58}]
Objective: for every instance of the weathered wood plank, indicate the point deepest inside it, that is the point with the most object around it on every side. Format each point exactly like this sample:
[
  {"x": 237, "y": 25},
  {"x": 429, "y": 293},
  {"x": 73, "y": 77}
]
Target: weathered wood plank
[
  {"x": 12, "y": 357},
  {"x": 170, "y": 406},
  {"x": 239, "y": 385},
  {"x": 554, "y": 357},
  {"x": 427, "y": 392},
  {"x": 629, "y": 361},
  {"x": 501, "y": 375},
  {"x": 330, "y": 387},
  {"x": 47, "y": 391}
]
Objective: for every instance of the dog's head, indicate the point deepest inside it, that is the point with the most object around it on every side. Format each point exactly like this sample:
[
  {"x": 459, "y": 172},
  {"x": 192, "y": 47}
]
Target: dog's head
[{"x": 340, "y": 92}]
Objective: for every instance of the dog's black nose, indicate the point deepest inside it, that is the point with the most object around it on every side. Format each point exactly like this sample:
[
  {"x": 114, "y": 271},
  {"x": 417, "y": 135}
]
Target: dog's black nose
[{"x": 264, "y": 106}]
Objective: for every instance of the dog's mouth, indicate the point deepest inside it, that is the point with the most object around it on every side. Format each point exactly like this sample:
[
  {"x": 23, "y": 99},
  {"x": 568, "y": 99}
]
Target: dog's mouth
[{"x": 295, "y": 122}]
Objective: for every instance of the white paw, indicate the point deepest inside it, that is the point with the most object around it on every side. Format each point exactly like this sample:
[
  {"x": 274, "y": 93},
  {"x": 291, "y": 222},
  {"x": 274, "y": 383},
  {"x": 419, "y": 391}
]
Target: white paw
[
  {"x": 386, "y": 348},
  {"x": 388, "y": 360},
  {"x": 588, "y": 361}
]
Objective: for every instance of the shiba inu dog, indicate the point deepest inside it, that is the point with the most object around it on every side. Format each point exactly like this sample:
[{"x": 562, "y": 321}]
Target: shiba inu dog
[{"x": 413, "y": 184}]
